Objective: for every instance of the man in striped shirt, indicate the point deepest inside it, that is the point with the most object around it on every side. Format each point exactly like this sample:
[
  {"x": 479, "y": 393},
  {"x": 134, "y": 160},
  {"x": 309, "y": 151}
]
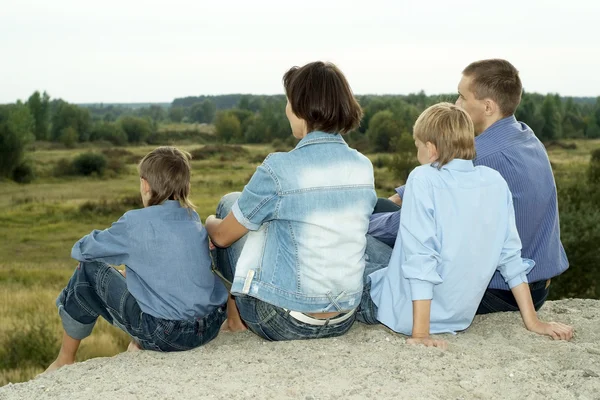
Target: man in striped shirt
[{"x": 490, "y": 91}]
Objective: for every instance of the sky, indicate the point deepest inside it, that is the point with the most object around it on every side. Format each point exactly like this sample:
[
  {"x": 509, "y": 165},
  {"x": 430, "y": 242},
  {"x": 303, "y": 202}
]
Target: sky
[{"x": 155, "y": 51}]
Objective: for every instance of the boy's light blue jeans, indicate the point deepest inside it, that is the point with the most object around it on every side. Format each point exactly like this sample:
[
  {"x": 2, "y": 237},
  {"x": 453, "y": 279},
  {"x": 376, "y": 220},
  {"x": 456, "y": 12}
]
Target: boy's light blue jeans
[{"x": 97, "y": 289}]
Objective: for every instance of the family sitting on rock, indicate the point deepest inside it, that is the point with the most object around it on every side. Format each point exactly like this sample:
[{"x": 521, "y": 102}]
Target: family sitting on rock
[{"x": 307, "y": 248}]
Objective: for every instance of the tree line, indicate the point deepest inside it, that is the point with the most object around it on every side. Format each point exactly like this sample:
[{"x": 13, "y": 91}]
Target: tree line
[{"x": 237, "y": 118}]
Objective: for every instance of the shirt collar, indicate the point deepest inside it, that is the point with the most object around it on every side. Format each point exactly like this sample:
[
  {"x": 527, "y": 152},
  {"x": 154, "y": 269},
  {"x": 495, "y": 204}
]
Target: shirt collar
[
  {"x": 458, "y": 164},
  {"x": 171, "y": 203},
  {"x": 500, "y": 135},
  {"x": 320, "y": 137}
]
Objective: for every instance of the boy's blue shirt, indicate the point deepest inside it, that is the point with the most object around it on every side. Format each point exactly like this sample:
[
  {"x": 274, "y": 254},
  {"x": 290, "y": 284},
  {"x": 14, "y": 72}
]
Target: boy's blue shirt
[
  {"x": 511, "y": 148},
  {"x": 457, "y": 228},
  {"x": 165, "y": 251}
]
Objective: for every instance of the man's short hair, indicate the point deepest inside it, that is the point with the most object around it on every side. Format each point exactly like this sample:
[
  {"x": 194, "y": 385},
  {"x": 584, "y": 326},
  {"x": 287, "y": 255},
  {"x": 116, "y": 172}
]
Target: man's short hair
[
  {"x": 450, "y": 129},
  {"x": 320, "y": 94},
  {"x": 498, "y": 80},
  {"x": 167, "y": 170}
]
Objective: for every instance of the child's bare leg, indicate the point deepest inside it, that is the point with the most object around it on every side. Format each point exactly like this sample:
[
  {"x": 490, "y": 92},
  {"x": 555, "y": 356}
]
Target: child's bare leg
[
  {"x": 234, "y": 322},
  {"x": 66, "y": 356}
]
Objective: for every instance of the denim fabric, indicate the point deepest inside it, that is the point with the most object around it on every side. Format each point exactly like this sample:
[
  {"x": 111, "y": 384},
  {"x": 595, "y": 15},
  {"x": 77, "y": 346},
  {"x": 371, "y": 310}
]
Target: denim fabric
[
  {"x": 165, "y": 251},
  {"x": 96, "y": 289},
  {"x": 308, "y": 212},
  {"x": 266, "y": 320},
  {"x": 497, "y": 300},
  {"x": 377, "y": 257}
]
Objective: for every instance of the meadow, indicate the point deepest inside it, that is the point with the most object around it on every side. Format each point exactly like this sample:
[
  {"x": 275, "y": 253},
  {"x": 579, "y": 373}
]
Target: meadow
[{"x": 40, "y": 221}]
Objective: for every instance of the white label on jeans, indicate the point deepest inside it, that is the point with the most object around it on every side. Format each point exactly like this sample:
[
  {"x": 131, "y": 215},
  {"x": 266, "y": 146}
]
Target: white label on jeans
[{"x": 248, "y": 281}]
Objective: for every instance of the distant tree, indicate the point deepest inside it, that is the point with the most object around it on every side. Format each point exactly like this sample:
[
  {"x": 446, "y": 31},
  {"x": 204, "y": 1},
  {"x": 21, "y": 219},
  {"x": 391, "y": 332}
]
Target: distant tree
[
  {"x": 39, "y": 106},
  {"x": 528, "y": 112},
  {"x": 244, "y": 103},
  {"x": 176, "y": 114},
  {"x": 137, "y": 129},
  {"x": 209, "y": 109},
  {"x": 592, "y": 128},
  {"x": 382, "y": 130},
  {"x": 197, "y": 113},
  {"x": 110, "y": 132},
  {"x": 405, "y": 156},
  {"x": 552, "y": 120},
  {"x": 203, "y": 112},
  {"x": 69, "y": 137},
  {"x": 573, "y": 124},
  {"x": 228, "y": 127},
  {"x": 157, "y": 114},
  {"x": 16, "y": 131},
  {"x": 69, "y": 115}
]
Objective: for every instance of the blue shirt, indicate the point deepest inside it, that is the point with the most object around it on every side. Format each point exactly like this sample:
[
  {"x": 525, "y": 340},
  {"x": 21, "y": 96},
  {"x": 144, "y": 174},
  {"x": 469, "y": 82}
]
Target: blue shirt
[
  {"x": 457, "y": 229},
  {"x": 511, "y": 148},
  {"x": 308, "y": 213},
  {"x": 165, "y": 252}
]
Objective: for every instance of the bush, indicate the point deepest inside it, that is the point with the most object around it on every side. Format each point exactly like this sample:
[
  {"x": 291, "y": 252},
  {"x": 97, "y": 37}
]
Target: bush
[
  {"x": 63, "y": 167},
  {"x": 32, "y": 343},
  {"x": 23, "y": 173},
  {"x": 281, "y": 146},
  {"x": 579, "y": 204},
  {"x": 594, "y": 168},
  {"x": 136, "y": 129},
  {"x": 90, "y": 163},
  {"x": 110, "y": 132},
  {"x": 225, "y": 152},
  {"x": 69, "y": 137},
  {"x": 111, "y": 207}
]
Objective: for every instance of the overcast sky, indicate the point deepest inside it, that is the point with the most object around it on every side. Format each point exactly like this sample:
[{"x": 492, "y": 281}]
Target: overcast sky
[{"x": 154, "y": 51}]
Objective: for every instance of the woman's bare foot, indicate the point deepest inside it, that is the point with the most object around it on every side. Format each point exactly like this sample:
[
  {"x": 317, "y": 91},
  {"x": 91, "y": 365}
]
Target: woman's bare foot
[
  {"x": 133, "y": 346},
  {"x": 57, "y": 364}
]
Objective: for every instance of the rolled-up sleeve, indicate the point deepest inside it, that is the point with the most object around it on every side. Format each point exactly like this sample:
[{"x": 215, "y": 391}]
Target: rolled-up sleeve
[
  {"x": 258, "y": 200},
  {"x": 420, "y": 244},
  {"x": 400, "y": 190},
  {"x": 108, "y": 245},
  {"x": 512, "y": 267}
]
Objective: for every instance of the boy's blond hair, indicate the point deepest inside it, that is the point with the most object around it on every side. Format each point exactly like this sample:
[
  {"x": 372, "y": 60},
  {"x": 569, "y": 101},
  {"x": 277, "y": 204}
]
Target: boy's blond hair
[
  {"x": 167, "y": 170},
  {"x": 450, "y": 129}
]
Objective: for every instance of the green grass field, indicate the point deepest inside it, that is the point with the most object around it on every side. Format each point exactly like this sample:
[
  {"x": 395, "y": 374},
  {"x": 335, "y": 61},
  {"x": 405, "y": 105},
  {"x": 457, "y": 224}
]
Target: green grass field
[{"x": 39, "y": 223}]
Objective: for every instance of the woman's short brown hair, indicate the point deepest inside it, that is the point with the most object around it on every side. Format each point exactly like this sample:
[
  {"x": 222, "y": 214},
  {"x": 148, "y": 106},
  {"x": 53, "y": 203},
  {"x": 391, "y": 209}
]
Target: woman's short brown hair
[
  {"x": 320, "y": 94},
  {"x": 450, "y": 129},
  {"x": 167, "y": 170}
]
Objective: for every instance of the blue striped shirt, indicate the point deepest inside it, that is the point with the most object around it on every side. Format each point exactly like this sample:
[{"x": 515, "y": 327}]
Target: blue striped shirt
[{"x": 511, "y": 148}]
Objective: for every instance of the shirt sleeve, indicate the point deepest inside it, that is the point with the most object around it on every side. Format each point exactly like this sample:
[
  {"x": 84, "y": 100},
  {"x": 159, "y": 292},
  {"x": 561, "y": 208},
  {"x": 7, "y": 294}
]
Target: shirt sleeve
[
  {"x": 420, "y": 244},
  {"x": 384, "y": 227},
  {"x": 108, "y": 246},
  {"x": 258, "y": 200},
  {"x": 512, "y": 267},
  {"x": 400, "y": 190}
]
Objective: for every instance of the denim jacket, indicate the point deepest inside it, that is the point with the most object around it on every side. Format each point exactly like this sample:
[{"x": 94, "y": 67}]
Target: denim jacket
[{"x": 308, "y": 212}]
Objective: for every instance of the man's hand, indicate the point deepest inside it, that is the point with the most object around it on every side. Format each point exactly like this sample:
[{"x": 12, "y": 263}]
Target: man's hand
[
  {"x": 556, "y": 330},
  {"x": 396, "y": 199},
  {"x": 429, "y": 342}
]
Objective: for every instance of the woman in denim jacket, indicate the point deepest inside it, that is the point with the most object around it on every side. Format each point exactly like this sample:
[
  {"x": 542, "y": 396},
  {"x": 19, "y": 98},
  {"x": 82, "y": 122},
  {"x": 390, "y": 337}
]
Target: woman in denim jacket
[{"x": 292, "y": 243}]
